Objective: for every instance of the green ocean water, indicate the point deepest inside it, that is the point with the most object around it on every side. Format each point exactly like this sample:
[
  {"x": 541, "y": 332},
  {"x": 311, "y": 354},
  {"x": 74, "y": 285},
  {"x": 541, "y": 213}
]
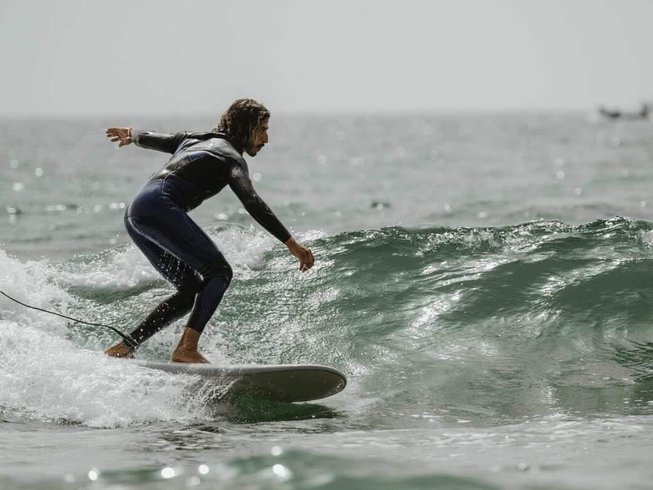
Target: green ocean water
[{"x": 483, "y": 280}]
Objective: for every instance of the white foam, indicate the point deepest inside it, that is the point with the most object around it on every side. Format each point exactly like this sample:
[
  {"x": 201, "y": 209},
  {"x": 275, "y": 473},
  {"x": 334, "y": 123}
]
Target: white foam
[
  {"x": 47, "y": 378},
  {"x": 244, "y": 249},
  {"x": 44, "y": 376},
  {"x": 121, "y": 269},
  {"x": 30, "y": 282}
]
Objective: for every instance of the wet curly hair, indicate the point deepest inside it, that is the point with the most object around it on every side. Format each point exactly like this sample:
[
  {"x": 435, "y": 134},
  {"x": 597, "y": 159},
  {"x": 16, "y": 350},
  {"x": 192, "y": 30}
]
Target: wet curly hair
[{"x": 241, "y": 119}]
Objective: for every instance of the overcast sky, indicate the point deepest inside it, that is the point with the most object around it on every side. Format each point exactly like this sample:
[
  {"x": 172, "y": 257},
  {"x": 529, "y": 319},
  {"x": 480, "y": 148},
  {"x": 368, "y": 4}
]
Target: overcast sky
[{"x": 161, "y": 57}]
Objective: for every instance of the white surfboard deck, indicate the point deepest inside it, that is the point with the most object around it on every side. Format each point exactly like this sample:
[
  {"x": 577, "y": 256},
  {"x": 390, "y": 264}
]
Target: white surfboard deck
[{"x": 277, "y": 382}]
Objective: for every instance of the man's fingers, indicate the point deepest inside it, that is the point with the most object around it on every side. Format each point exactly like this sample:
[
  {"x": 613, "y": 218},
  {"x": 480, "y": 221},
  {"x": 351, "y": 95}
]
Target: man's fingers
[
  {"x": 306, "y": 261},
  {"x": 119, "y": 135},
  {"x": 304, "y": 255}
]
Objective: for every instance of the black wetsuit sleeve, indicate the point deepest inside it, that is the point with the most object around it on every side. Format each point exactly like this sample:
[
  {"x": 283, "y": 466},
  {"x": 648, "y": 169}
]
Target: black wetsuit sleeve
[
  {"x": 241, "y": 184},
  {"x": 165, "y": 142}
]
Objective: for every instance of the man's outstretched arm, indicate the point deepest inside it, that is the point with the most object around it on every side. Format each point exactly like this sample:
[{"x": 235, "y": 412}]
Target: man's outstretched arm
[{"x": 146, "y": 139}]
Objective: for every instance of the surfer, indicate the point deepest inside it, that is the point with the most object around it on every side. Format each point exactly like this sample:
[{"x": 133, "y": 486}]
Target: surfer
[{"x": 157, "y": 220}]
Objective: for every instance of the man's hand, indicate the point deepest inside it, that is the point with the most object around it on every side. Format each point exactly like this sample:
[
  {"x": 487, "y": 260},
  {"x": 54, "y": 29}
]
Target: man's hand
[
  {"x": 121, "y": 135},
  {"x": 304, "y": 254}
]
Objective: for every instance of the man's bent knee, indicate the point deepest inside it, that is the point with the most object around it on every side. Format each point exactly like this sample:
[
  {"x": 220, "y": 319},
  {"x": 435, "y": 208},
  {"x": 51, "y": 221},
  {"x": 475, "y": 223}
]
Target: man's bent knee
[{"x": 223, "y": 270}]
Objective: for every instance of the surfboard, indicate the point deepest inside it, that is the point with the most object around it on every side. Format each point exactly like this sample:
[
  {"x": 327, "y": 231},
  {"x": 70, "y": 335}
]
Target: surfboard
[{"x": 277, "y": 382}]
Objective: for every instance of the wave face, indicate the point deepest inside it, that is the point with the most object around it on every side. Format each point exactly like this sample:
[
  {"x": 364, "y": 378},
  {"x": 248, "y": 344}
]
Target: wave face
[{"x": 453, "y": 325}]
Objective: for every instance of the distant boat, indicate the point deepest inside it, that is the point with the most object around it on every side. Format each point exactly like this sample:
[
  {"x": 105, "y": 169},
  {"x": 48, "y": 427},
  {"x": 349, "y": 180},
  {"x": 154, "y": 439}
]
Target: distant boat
[{"x": 619, "y": 114}]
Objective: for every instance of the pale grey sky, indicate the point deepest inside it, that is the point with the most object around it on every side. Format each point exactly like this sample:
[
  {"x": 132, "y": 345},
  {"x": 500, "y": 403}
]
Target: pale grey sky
[{"x": 160, "y": 57}]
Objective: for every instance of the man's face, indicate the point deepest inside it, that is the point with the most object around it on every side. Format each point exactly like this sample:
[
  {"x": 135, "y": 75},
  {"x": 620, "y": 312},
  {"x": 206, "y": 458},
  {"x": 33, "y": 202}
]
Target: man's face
[{"x": 258, "y": 138}]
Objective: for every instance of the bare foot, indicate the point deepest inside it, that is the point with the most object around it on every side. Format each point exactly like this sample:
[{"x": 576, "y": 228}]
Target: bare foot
[
  {"x": 187, "y": 351},
  {"x": 120, "y": 350},
  {"x": 188, "y": 356}
]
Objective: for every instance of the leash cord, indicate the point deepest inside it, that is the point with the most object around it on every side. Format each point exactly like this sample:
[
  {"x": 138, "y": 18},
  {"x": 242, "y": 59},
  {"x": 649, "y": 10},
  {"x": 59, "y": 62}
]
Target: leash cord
[{"x": 129, "y": 341}]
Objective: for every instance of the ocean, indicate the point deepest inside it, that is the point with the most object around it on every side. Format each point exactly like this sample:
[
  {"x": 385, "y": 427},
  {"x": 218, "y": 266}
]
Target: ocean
[{"x": 485, "y": 281}]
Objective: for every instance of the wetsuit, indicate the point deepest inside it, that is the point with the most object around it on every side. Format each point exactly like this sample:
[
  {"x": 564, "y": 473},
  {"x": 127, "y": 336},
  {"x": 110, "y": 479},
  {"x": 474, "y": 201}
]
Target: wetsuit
[{"x": 202, "y": 164}]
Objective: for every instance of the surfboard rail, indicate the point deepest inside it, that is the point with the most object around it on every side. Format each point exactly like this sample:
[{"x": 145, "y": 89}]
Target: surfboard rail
[{"x": 278, "y": 382}]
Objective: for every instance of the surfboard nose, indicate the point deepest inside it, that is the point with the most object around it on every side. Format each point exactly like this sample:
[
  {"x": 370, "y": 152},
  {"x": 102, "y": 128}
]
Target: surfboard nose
[{"x": 296, "y": 385}]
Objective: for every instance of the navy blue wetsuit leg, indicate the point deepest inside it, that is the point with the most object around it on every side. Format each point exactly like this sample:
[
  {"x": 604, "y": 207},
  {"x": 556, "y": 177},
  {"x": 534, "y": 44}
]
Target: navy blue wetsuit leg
[{"x": 178, "y": 248}]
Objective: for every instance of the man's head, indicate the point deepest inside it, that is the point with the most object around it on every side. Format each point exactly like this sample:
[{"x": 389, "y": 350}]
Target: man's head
[{"x": 246, "y": 124}]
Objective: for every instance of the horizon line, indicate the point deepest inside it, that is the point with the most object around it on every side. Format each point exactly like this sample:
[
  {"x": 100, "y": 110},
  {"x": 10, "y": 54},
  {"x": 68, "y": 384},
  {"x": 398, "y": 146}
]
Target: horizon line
[{"x": 307, "y": 112}]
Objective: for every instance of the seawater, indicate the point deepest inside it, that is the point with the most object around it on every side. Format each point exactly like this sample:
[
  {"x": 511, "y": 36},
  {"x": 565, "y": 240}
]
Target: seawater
[{"x": 484, "y": 280}]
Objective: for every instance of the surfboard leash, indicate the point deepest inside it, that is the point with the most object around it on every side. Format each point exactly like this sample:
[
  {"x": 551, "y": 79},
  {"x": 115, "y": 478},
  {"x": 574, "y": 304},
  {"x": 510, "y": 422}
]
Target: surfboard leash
[{"x": 129, "y": 340}]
